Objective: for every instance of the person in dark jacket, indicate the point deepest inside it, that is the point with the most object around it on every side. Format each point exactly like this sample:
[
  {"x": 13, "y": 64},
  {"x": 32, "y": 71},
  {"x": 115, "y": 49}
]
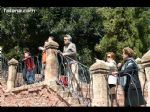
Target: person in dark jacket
[{"x": 130, "y": 83}]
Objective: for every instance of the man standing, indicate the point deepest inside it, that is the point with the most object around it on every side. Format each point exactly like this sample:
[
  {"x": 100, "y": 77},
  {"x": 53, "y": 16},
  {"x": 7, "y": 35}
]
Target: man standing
[{"x": 69, "y": 50}]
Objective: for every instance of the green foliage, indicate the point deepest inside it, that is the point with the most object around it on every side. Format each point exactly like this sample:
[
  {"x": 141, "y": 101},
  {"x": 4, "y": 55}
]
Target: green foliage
[
  {"x": 142, "y": 18},
  {"x": 22, "y": 29},
  {"x": 95, "y": 31},
  {"x": 14, "y": 53},
  {"x": 85, "y": 57},
  {"x": 120, "y": 27}
]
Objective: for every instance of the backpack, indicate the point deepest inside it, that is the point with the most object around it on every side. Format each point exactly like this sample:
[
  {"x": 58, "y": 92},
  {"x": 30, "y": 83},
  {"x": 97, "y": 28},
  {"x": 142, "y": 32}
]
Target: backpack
[{"x": 63, "y": 80}]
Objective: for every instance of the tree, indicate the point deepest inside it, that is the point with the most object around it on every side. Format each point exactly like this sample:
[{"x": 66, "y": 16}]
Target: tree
[
  {"x": 142, "y": 18},
  {"x": 120, "y": 30},
  {"x": 22, "y": 29},
  {"x": 94, "y": 30}
]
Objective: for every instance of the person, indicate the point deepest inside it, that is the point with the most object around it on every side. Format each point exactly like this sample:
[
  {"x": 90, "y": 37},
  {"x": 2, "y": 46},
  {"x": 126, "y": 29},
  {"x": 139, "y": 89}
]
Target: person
[
  {"x": 44, "y": 57},
  {"x": 112, "y": 80},
  {"x": 29, "y": 66},
  {"x": 69, "y": 50},
  {"x": 43, "y": 61},
  {"x": 131, "y": 86}
]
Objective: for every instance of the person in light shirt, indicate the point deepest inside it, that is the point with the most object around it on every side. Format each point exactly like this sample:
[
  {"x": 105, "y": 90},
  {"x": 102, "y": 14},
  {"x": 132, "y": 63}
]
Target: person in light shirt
[
  {"x": 70, "y": 51},
  {"x": 112, "y": 79}
]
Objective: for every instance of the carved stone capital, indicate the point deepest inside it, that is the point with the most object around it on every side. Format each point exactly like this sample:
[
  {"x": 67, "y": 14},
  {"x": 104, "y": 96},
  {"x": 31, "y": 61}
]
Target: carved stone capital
[{"x": 13, "y": 62}]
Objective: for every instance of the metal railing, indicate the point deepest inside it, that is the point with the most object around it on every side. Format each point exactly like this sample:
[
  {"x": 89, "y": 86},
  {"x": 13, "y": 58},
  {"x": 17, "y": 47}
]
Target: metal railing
[
  {"x": 3, "y": 67},
  {"x": 21, "y": 78},
  {"x": 83, "y": 78}
]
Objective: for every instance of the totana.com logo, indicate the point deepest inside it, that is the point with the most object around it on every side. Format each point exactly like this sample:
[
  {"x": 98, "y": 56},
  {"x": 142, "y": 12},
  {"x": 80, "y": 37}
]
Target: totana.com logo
[{"x": 18, "y": 10}]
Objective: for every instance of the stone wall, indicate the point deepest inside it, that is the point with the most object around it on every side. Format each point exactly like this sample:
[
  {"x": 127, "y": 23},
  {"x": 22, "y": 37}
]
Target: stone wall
[
  {"x": 31, "y": 95},
  {"x": 99, "y": 71},
  {"x": 146, "y": 65}
]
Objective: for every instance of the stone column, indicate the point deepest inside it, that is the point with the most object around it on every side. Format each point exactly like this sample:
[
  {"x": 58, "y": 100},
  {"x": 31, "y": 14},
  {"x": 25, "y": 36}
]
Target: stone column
[
  {"x": 51, "y": 69},
  {"x": 146, "y": 64},
  {"x": 141, "y": 74},
  {"x": 120, "y": 96},
  {"x": 12, "y": 73},
  {"x": 99, "y": 71}
]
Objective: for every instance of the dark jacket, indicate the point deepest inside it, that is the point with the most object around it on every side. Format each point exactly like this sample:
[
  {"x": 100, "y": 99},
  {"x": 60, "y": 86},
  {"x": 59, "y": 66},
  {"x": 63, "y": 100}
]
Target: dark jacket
[
  {"x": 132, "y": 88},
  {"x": 130, "y": 70}
]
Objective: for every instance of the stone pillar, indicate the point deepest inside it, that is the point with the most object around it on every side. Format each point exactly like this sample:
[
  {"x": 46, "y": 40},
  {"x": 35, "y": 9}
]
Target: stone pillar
[
  {"x": 51, "y": 69},
  {"x": 12, "y": 73},
  {"x": 141, "y": 74},
  {"x": 120, "y": 96},
  {"x": 99, "y": 71},
  {"x": 146, "y": 64}
]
